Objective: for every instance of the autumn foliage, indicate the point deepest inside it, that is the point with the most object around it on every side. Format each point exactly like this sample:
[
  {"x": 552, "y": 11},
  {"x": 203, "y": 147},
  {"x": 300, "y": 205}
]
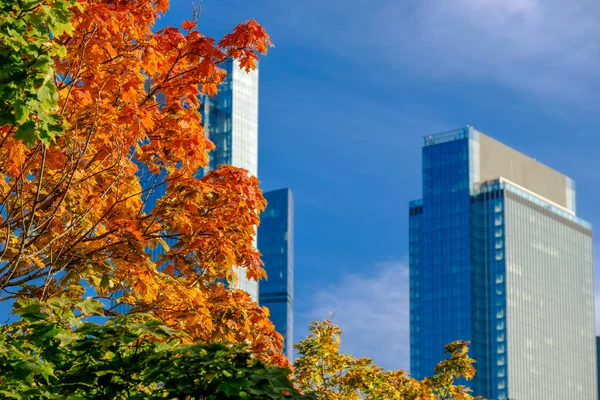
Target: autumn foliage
[
  {"x": 86, "y": 148},
  {"x": 321, "y": 369}
]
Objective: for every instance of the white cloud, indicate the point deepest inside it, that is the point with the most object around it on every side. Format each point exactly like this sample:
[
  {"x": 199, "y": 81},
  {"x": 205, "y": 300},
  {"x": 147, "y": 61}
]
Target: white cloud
[
  {"x": 545, "y": 47},
  {"x": 373, "y": 311}
]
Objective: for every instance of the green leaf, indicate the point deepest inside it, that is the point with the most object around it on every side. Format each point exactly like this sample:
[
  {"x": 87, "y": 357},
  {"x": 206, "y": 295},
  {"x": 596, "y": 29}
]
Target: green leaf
[
  {"x": 27, "y": 306},
  {"x": 61, "y": 302},
  {"x": 21, "y": 111},
  {"x": 229, "y": 388},
  {"x": 91, "y": 307},
  {"x": 48, "y": 96},
  {"x": 46, "y": 330},
  {"x": 26, "y": 133},
  {"x": 65, "y": 339},
  {"x": 106, "y": 282},
  {"x": 26, "y": 368},
  {"x": 96, "y": 281}
]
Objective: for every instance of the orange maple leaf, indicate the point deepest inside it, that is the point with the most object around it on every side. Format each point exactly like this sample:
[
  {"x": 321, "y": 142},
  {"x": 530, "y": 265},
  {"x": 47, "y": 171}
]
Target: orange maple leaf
[{"x": 187, "y": 25}]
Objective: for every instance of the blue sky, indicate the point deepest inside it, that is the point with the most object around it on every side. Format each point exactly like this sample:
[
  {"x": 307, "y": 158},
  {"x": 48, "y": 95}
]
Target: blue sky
[{"x": 347, "y": 94}]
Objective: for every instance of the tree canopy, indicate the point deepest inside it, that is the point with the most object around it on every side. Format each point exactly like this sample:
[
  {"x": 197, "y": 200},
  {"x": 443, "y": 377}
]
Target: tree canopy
[
  {"x": 86, "y": 147},
  {"x": 321, "y": 369},
  {"x": 55, "y": 352}
]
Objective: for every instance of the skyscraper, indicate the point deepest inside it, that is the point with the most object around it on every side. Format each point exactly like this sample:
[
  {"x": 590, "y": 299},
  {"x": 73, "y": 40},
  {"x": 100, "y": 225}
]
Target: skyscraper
[
  {"x": 230, "y": 120},
  {"x": 499, "y": 257},
  {"x": 276, "y": 243}
]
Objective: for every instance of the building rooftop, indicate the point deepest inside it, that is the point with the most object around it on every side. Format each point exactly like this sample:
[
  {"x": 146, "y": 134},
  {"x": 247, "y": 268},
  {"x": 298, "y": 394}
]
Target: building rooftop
[{"x": 492, "y": 159}]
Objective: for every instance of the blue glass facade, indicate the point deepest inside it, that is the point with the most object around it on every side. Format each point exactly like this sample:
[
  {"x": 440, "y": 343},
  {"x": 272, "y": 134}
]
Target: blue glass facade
[
  {"x": 276, "y": 243},
  {"x": 441, "y": 281},
  {"x": 217, "y": 116},
  {"x": 497, "y": 264},
  {"x": 488, "y": 293},
  {"x": 231, "y": 120}
]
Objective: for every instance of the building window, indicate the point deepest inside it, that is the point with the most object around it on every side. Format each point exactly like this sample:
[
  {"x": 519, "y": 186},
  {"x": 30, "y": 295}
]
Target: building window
[
  {"x": 498, "y": 206},
  {"x": 498, "y": 220}
]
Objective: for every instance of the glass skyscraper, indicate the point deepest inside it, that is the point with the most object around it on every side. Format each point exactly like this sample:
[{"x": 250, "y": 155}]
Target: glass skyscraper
[
  {"x": 230, "y": 120},
  {"x": 276, "y": 243},
  {"x": 499, "y": 257}
]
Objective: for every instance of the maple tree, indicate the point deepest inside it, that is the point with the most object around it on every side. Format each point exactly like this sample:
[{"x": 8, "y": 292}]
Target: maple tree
[
  {"x": 321, "y": 369},
  {"x": 84, "y": 148}
]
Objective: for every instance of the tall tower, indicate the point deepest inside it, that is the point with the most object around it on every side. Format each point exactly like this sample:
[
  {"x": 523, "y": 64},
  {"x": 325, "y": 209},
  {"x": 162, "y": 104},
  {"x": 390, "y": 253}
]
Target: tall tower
[
  {"x": 230, "y": 120},
  {"x": 499, "y": 257},
  {"x": 276, "y": 243}
]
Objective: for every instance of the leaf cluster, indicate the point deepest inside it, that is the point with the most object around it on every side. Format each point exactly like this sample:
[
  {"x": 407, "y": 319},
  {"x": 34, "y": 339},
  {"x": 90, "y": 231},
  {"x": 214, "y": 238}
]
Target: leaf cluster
[{"x": 55, "y": 352}]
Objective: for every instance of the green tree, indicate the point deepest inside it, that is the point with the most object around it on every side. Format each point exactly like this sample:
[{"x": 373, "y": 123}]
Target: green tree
[{"x": 55, "y": 352}]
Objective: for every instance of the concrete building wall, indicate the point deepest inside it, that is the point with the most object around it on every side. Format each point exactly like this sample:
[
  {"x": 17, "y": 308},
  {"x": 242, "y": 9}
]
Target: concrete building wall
[
  {"x": 549, "y": 288},
  {"x": 244, "y": 126},
  {"x": 498, "y": 160}
]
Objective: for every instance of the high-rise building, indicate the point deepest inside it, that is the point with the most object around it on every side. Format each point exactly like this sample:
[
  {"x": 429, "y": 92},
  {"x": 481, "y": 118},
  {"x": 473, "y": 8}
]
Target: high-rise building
[
  {"x": 230, "y": 120},
  {"x": 499, "y": 257},
  {"x": 276, "y": 243}
]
